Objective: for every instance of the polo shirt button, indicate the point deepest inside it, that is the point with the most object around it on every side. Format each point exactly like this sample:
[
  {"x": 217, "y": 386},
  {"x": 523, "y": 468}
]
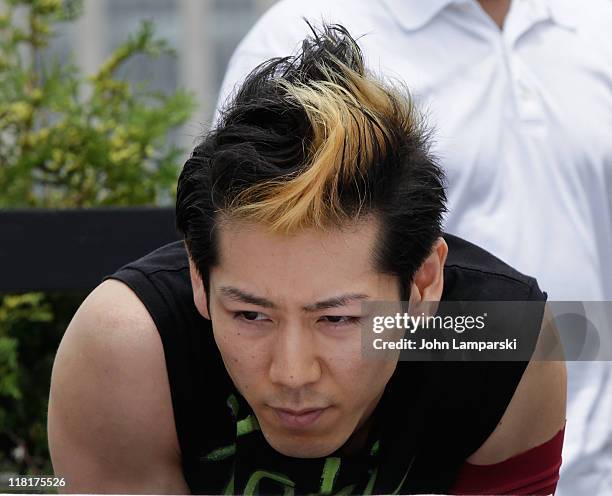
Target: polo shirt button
[{"x": 524, "y": 92}]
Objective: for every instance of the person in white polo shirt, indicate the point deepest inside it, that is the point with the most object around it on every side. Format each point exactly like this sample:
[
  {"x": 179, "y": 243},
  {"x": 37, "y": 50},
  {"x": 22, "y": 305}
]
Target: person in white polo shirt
[{"x": 520, "y": 96}]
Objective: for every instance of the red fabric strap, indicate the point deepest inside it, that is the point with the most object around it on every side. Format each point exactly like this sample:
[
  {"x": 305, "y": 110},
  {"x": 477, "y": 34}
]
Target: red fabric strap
[{"x": 533, "y": 472}]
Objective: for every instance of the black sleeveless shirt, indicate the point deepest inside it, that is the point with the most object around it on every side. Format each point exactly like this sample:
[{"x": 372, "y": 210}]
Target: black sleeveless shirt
[{"x": 431, "y": 417}]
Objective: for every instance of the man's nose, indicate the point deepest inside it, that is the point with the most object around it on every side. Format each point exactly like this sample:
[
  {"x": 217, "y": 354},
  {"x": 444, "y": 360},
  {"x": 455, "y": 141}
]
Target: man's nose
[{"x": 295, "y": 362}]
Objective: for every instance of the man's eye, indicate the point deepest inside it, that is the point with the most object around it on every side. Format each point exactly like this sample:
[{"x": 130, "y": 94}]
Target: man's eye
[
  {"x": 341, "y": 320},
  {"x": 250, "y": 316}
]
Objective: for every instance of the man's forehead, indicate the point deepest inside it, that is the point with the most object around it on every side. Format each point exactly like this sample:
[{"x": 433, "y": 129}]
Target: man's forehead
[
  {"x": 251, "y": 240},
  {"x": 236, "y": 294},
  {"x": 311, "y": 266}
]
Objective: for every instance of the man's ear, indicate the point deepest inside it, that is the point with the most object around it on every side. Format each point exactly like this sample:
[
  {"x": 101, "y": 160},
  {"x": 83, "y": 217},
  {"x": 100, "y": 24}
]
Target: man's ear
[
  {"x": 428, "y": 281},
  {"x": 199, "y": 293}
]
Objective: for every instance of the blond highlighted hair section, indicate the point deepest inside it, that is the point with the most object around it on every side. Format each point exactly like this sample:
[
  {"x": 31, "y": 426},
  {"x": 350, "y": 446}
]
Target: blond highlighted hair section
[{"x": 354, "y": 118}]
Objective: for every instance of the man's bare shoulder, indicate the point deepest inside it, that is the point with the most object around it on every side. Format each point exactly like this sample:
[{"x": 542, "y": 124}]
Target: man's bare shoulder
[
  {"x": 535, "y": 414},
  {"x": 111, "y": 425}
]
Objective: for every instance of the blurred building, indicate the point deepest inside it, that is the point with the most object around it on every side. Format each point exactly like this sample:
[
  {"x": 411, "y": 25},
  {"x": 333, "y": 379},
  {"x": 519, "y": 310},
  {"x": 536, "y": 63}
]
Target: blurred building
[{"x": 203, "y": 32}]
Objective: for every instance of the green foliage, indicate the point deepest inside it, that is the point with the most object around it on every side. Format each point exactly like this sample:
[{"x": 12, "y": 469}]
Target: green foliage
[
  {"x": 67, "y": 140},
  {"x": 29, "y": 335},
  {"x": 74, "y": 141}
]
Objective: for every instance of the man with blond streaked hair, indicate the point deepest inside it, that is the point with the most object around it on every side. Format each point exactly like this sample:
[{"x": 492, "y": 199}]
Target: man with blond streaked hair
[
  {"x": 520, "y": 95},
  {"x": 240, "y": 348}
]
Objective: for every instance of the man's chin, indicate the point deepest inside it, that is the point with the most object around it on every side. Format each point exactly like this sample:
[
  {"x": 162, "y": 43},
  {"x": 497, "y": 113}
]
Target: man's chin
[{"x": 298, "y": 447}]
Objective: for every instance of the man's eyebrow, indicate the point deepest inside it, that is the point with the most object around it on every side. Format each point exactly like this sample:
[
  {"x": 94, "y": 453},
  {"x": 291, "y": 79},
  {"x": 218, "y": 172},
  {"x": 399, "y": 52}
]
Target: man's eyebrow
[
  {"x": 244, "y": 297},
  {"x": 334, "y": 302}
]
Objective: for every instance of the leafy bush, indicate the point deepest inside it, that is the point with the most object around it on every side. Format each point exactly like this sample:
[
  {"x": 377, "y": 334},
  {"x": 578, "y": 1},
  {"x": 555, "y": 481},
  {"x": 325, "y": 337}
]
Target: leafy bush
[{"x": 67, "y": 140}]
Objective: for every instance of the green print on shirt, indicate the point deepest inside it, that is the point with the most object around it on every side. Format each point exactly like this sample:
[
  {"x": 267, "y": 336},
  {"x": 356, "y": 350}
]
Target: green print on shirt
[
  {"x": 328, "y": 477},
  {"x": 287, "y": 487}
]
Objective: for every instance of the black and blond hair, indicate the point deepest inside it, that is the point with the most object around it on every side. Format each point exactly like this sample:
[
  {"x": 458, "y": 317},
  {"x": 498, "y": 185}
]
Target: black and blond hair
[{"x": 315, "y": 141}]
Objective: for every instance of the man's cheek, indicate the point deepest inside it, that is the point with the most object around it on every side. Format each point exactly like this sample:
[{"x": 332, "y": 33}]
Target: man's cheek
[{"x": 245, "y": 370}]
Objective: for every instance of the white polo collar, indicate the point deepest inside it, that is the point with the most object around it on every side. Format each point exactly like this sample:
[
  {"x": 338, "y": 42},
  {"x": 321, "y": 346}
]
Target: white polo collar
[
  {"x": 563, "y": 12},
  {"x": 414, "y": 14}
]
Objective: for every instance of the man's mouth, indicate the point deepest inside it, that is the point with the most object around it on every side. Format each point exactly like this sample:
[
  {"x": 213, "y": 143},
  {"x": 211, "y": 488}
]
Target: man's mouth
[{"x": 298, "y": 419}]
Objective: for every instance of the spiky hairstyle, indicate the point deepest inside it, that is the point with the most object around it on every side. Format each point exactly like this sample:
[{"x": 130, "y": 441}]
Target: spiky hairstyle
[{"x": 315, "y": 141}]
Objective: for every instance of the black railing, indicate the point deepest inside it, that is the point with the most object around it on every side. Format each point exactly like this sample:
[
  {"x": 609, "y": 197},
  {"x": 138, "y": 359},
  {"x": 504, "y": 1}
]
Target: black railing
[{"x": 73, "y": 249}]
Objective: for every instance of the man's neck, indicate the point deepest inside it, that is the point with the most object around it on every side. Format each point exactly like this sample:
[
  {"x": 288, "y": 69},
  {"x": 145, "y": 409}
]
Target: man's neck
[
  {"x": 497, "y": 10},
  {"x": 358, "y": 440}
]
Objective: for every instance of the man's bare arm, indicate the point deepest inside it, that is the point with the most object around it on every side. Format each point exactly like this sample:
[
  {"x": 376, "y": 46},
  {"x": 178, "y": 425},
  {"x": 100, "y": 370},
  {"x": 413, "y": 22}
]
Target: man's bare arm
[
  {"x": 110, "y": 423},
  {"x": 536, "y": 412}
]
